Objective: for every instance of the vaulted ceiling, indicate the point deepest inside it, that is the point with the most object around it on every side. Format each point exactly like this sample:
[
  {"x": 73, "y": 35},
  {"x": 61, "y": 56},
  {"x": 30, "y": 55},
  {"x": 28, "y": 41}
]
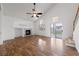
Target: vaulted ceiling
[{"x": 20, "y": 9}]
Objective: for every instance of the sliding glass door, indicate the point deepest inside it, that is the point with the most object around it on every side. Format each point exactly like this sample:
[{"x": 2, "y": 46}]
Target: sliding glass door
[{"x": 56, "y": 30}]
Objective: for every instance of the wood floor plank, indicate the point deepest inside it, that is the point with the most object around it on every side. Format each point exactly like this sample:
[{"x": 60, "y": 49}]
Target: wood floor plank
[{"x": 36, "y": 46}]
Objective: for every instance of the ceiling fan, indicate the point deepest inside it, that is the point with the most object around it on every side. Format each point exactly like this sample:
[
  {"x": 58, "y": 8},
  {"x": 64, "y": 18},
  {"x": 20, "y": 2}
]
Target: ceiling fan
[{"x": 34, "y": 13}]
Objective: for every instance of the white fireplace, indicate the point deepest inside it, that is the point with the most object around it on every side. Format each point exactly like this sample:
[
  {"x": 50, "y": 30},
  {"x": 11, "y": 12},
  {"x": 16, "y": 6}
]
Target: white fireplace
[
  {"x": 22, "y": 32},
  {"x": 22, "y": 29}
]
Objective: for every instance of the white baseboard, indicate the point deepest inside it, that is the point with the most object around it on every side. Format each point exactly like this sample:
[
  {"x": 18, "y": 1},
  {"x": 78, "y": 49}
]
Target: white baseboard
[
  {"x": 1, "y": 43},
  {"x": 70, "y": 45}
]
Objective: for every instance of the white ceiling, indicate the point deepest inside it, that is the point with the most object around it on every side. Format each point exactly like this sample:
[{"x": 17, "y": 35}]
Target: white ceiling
[{"x": 20, "y": 9}]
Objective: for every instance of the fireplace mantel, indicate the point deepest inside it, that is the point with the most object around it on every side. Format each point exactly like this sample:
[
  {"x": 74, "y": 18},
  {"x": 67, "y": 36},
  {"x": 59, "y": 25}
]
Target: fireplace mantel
[
  {"x": 23, "y": 31},
  {"x": 23, "y": 28}
]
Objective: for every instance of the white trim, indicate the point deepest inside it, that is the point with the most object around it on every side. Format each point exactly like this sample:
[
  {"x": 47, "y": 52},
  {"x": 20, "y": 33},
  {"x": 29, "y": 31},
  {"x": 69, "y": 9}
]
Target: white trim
[{"x": 1, "y": 43}]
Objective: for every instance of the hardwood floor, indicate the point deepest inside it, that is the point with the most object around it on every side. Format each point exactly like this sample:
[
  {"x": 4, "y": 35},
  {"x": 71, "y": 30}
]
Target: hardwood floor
[{"x": 36, "y": 46}]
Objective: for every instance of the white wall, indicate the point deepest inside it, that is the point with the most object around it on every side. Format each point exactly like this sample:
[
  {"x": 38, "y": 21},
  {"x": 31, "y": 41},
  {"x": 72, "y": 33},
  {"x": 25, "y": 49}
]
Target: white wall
[
  {"x": 18, "y": 32},
  {"x": 1, "y": 41},
  {"x": 8, "y": 27},
  {"x": 66, "y": 14},
  {"x": 0, "y": 25}
]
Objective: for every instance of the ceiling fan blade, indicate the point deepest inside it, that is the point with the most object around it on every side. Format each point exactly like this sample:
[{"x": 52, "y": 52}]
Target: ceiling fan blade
[
  {"x": 29, "y": 13},
  {"x": 39, "y": 13},
  {"x": 37, "y": 16},
  {"x": 32, "y": 16}
]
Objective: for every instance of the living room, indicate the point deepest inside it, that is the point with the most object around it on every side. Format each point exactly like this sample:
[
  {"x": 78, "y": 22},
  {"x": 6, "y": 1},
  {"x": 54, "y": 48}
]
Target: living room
[{"x": 22, "y": 31}]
